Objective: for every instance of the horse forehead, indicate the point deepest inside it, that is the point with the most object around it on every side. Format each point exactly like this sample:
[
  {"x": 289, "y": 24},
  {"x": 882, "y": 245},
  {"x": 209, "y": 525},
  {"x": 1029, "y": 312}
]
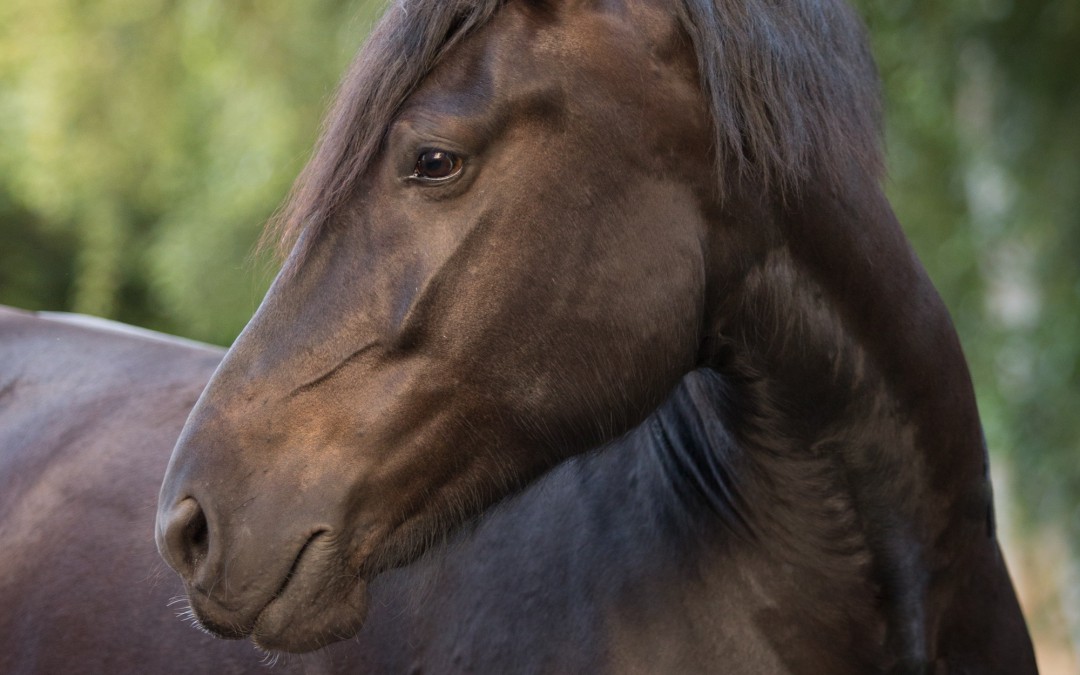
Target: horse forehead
[
  {"x": 524, "y": 48},
  {"x": 613, "y": 38}
]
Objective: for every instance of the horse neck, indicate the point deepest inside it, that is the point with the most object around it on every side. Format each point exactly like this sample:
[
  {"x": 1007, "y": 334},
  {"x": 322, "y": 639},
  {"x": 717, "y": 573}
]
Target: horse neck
[{"x": 845, "y": 385}]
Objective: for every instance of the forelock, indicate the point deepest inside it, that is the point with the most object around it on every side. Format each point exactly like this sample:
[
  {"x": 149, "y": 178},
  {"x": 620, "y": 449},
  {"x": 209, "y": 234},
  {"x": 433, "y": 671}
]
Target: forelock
[{"x": 791, "y": 86}]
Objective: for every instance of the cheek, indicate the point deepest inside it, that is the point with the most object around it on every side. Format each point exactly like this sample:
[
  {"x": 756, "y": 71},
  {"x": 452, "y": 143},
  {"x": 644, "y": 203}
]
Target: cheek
[
  {"x": 416, "y": 245},
  {"x": 643, "y": 301},
  {"x": 586, "y": 315}
]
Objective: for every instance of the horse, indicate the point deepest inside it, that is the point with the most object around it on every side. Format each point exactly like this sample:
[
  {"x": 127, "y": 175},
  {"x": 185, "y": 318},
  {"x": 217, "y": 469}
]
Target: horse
[
  {"x": 597, "y": 348},
  {"x": 526, "y": 225}
]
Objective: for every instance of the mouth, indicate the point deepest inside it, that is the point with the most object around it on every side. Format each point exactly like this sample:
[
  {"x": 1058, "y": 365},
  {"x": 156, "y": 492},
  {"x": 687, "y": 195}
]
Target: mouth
[
  {"x": 291, "y": 573},
  {"x": 318, "y": 601}
]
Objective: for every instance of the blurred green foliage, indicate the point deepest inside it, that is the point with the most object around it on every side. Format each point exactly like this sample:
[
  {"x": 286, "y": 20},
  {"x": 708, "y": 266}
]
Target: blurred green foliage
[{"x": 144, "y": 142}]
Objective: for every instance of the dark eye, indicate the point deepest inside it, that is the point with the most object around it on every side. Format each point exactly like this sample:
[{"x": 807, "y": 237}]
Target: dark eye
[{"x": 436, "y": 165}]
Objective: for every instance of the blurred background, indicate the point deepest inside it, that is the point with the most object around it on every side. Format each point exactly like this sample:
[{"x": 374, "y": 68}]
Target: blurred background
[{"x": 143, "y": 143}]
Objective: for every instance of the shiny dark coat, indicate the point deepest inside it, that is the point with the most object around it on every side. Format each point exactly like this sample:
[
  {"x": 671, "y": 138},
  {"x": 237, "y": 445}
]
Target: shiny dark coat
[
  {"x": 658, "y": 360},
  {"x": 645, "y": 534}
]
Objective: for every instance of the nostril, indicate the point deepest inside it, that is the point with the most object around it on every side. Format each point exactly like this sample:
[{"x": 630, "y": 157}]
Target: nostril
[
  {"x": 187, "y": 537},
  {"x": 198, "y": 536}
]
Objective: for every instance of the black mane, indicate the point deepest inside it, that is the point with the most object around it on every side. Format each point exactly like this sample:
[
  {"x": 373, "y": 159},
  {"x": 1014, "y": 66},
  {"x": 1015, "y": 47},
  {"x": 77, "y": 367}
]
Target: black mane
[{"x": 792, "y": 87}]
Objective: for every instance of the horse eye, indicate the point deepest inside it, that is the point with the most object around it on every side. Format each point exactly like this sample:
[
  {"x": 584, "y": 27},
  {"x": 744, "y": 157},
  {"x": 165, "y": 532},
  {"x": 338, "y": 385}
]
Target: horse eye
[{"x": 434, "y": 165}]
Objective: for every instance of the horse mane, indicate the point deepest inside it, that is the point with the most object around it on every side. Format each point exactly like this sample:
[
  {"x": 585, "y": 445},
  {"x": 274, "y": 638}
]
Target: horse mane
[{"x": 792, "y": 87}]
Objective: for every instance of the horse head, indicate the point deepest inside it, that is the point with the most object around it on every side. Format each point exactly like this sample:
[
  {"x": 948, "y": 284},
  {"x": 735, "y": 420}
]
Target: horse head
[
  {"x": 510, "y": 246},
  {"x": 517, "y": 276}
]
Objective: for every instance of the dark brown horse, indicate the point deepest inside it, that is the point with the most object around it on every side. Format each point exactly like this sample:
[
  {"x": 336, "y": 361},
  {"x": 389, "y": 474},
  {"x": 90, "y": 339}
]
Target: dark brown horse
[
  {"x": 650, "y": 230},
  {"x": 526, "y": 224}
]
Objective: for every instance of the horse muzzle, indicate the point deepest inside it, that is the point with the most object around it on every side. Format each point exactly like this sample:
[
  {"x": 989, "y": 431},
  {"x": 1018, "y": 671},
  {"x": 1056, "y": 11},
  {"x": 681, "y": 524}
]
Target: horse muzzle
[{"x": 301, "y": 598}]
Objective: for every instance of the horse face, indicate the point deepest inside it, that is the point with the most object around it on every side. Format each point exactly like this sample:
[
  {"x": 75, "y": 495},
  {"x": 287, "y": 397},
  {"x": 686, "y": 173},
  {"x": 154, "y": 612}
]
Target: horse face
[{"x": 517, "y": 278}]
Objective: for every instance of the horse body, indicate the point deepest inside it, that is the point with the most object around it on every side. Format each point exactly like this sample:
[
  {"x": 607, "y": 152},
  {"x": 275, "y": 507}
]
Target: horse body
[
  {"x": 600, "y": 566},
  {"x": 86, "y": 419},
  {"x": 623, "y": 560}
]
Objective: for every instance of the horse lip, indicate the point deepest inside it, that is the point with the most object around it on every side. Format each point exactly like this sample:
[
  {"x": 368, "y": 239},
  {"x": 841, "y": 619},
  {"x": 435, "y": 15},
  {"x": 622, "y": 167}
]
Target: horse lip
[
  {"x": 287, "y": 622},
  {"x": 201, "y": 601},
  {"x": 292, "y": 571},
  {"x": 234, "y": 631},
  {"x": 208, "y": 598}
]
